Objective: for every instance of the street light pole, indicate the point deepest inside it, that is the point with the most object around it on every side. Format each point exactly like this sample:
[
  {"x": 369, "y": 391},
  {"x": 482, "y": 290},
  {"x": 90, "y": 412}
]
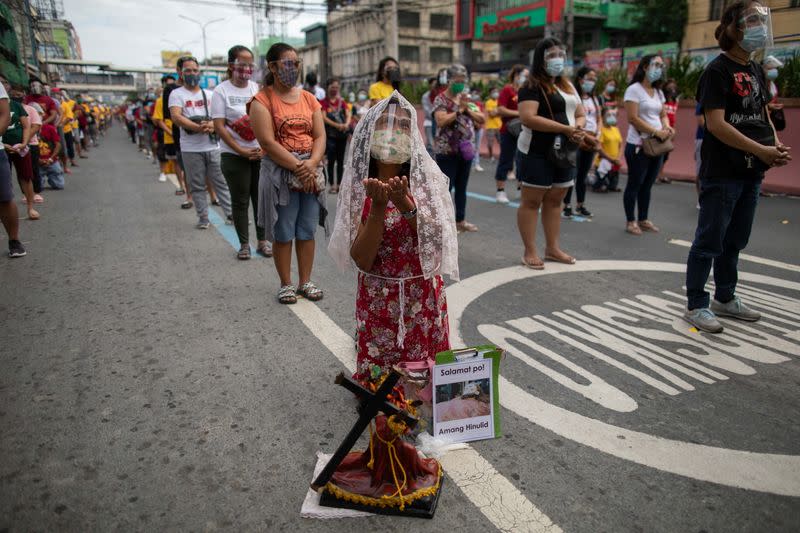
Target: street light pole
[
  {"x": 179, "y": 47},
  {"x": 203, "y": 30}
]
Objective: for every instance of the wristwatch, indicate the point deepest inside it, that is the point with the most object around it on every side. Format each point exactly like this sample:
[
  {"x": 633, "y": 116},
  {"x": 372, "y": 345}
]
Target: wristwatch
[{"x": 408, "y": 215}]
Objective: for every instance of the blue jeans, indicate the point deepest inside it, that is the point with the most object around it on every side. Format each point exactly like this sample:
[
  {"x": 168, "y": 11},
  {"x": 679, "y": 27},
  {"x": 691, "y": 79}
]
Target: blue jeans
[
  {"x": 54, "y": 175},
  {"x": 508, "y": 150},
  {"x": 642, "y": 173},
  {"x": 299, "y": 219},
  {"x": 723, "y": 229},
  {"x": 457, "y": 169}
]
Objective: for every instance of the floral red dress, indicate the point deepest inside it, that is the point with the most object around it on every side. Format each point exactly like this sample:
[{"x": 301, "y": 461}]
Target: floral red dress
[{"x": 378, "y": 302}]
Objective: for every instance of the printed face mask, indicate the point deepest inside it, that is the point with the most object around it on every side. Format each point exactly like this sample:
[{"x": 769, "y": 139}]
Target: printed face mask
[
  {"x": 555, "y": 66},
  {"x": 191, "y": 80},
  {"x": 393, "y": 147},
  {"x": 243, "y": 72},
  {"x": 288, "y": 75}
]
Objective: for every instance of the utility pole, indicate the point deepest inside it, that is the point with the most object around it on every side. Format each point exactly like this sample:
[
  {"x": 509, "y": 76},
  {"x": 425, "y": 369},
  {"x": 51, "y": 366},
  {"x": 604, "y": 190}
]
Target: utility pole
[
  {"x": 394, "y": 45},
  {"x": 203, "y": 29},
  {"x": 570, "y": 29}
]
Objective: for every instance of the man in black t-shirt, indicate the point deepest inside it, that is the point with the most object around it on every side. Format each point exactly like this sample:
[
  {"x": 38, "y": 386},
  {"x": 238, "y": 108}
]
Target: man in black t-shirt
[{"x": 739, "y": 144}]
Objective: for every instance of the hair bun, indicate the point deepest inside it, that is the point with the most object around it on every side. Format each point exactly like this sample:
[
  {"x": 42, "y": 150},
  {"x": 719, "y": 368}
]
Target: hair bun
[{"x": 718, "y": 31}]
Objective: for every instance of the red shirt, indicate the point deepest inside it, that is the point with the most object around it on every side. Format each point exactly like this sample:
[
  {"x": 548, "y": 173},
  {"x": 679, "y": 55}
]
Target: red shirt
[
  {"x": 508, "y": 99},
  {"x": 672, "y": 111},
  {"x": 48, "y": 139},
  {"x": 48, "y": 104}
]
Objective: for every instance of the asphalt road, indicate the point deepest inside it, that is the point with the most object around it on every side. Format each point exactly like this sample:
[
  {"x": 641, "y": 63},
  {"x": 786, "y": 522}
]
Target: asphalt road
[{"x": 150, "y": 381}]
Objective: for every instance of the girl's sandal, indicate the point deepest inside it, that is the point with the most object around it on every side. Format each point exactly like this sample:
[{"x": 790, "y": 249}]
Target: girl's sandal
[
  {"x": 633, "y": 228},
  {"x": 310, "y": 292},
  {"x": 287, "y": 295}
]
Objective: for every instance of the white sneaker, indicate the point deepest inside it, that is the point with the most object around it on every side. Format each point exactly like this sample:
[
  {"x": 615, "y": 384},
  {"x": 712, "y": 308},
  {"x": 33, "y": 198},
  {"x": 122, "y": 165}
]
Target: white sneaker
[
  {"x": 162, "y": 177},
  {"x": 502, "y": 197},
  {"x": 478, "y": 168}
]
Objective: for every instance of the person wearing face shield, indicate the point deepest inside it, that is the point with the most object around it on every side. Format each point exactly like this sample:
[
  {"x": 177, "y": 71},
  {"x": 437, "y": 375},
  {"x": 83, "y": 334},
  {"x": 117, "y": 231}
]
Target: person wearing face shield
[
  {"x": 36, "y": 94},
  {"x": 387, "y": 80},
  {"x": 770, "y": 65},
  {"x": 454, "y": 145},
  {"x": 189, "y": 108},
  {"x": 241, "y": 154},
  {"x": 647, "y": 117},
  {"x": 740, "y": 144},
  {"x": 287, "y": 122},
  {"x": 395, "y": 224}
]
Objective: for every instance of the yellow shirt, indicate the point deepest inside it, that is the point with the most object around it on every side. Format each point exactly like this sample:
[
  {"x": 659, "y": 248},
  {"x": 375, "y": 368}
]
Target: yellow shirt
[
  {"x": 158, "y": 114},
  {"x": 380, "y": 90},
  {"x": 69, "y": 116},
  {"x": 492, "y": 123},
  {"x": 611, "y": 141}
]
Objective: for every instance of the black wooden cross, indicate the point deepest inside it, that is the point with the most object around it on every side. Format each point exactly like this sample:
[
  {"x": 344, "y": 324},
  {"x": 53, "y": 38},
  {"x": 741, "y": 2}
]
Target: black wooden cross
[{"x": 371, "y": 404}]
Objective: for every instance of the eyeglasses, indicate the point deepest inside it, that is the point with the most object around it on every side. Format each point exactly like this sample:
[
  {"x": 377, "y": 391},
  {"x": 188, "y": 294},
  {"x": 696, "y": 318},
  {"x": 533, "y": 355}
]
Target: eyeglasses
[{"x": 287, "y": 63}]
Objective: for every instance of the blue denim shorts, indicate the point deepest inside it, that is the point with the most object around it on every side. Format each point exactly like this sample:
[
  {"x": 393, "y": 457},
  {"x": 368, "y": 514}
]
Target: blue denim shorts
[{"x": 298, "y": 220}]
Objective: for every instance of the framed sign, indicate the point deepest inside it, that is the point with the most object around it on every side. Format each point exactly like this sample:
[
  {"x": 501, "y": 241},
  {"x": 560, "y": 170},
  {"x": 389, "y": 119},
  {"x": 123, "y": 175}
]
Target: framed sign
[{"x": 466, "y": 400}]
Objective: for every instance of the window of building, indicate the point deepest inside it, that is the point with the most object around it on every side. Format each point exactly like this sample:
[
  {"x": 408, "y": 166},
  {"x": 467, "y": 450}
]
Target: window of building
[
  {"x": 464, "y": 20},
  {"x": 477, "y": 56},
  {"x": 441, "y": 21},
  {"x": 441, "y": 55},
  {"x": 409, "y": 53},
  {"x": 408, "y": 19},
  {"x": 716, "y": 8}
]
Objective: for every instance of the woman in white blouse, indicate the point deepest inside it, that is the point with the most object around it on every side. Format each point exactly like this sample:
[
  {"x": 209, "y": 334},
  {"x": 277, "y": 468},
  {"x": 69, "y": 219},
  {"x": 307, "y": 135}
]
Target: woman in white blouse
[{"x": 647, "y": 116}]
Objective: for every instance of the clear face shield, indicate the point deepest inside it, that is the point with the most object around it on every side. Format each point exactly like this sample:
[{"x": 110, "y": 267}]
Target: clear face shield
[
  {"x": 756, "y": 27},
  {"x": 391, "y": 138}
]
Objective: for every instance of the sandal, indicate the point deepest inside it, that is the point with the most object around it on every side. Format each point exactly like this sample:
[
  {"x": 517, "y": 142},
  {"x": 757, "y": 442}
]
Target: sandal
[
  {"x": 633, "y": 228},
  {"x": 264, "y": 248},
  {"x": 187, "y": 205},
  {"x": 179, "y": 192},
  {"x": 565, "y": 259},
  {"x": 33, "y": 214},
  {"x": 465, "y": 226},
  {"x": 287, "y": 295},
  {"x": 310, "y": 292},
  {"x": 533, "y": 265},
  {"x": 244, "y": 252},
  {"x": 647, "y": 225}
]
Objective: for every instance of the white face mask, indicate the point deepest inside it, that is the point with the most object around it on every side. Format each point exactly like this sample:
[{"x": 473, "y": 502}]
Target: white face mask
[{"x": 391, "y": 147}]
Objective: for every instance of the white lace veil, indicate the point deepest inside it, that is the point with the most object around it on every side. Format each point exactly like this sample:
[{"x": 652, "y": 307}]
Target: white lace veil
[{"x": 436, "y": 226}]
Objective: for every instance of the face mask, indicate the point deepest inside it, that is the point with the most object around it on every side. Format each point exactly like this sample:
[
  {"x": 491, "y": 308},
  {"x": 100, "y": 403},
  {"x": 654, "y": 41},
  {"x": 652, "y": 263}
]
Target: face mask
[
  {"x": 36, "y": 88},
  {"x": 611, "y": 120},
  {"x": 191, "y": 80},
  {"x": 17, "y": 99},
  {"x": 587, "y": 86},
  {"x": 772, "y": 74},
  {"x": 495, "y": 96},
  {"x": 391, "y": 147},
  {"x": 754, "y": 38},
  {"x": 457, "y": 88},
  {"x": 351, "y": 97},
  {"x": 362, "y": 97},
  {"x": 654, "y": 74},
  {"x": 554, "y": 67},
  {"x": 288, "y": 76},
  {"x": 243, "y": 73},
  {"x": 611, "y": 89},
  {"x": 522, "y": 79},
  {"x": 151, "y": 96},
  {"x": 333, "y": 93}
]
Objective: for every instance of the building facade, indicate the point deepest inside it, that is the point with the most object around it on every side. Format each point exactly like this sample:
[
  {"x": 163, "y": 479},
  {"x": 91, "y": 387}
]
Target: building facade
[
  {"x": 704, "y": 17},
  {"x": 517, "y": 25},
  {"x": 362, "y": 32},
  {"x": 314, "y": 54}
]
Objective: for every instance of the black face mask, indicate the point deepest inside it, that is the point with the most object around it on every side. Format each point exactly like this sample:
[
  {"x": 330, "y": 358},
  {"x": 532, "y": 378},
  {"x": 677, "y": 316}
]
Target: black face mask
[{"x": 394, "y": 77}]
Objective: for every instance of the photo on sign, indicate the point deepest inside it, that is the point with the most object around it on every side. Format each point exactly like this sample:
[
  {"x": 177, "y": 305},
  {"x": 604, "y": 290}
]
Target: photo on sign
[{"x": 466, "y": 399}]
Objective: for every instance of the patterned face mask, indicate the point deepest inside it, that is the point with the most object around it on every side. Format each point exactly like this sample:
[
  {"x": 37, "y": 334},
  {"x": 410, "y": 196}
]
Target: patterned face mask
[
  {"x": 242, "y": 71},
  {"x": 288, "y": 75},
  {"x": 393, "y": 147}
]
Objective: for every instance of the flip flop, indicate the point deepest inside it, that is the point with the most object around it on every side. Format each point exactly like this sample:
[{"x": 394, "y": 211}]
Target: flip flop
[
  {"x": 569, "y": 260},
  {"x": 532, "y": 266}
]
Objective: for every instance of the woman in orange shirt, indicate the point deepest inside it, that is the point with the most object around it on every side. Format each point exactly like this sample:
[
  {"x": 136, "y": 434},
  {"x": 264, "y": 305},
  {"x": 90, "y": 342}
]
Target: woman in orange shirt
[{"x": 287, "y": 122}]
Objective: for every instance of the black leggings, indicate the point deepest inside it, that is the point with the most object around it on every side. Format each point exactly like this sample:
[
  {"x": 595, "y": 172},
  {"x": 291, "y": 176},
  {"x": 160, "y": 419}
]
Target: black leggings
[
  {"x": 335, "y": 153},
  {"x": 584, "y": 164}
]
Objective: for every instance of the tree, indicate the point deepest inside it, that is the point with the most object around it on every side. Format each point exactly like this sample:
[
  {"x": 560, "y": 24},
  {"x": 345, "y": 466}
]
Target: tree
[{"x": 660, "y": 21}]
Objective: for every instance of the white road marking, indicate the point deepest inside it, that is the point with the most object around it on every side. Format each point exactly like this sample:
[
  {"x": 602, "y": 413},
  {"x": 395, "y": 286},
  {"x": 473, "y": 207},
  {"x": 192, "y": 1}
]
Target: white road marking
[
  {"x": 772, "y": 473},
  {"x": 747, "y": 257},
  {"x": 494, "y": 495}
]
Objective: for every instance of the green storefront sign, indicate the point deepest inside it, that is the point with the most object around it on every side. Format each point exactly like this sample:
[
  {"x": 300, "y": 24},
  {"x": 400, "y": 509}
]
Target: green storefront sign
[{"x": 494, "y": 24}]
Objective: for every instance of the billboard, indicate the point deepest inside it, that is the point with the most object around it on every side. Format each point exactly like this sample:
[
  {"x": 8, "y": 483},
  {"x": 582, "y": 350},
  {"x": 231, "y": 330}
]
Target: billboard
[
  {"x": 170, "y": 57},
  {"x": 632, "y": 55},
  {"x": 606, "y": 59}
]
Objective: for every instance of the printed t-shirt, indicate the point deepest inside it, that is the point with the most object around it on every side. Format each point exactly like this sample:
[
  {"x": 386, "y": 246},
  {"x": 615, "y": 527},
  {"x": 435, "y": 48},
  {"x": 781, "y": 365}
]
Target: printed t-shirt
[
  {"x": 158, "y": 114},
  {"x": 380, "y": 90},
  {"x": 48, "y": 138},
  {"x": 448, "y": 137},
  {"x": 13, "y": 134},
  {"x": 649, "y": 109},
  {"x": 230, "y": 102},
  {"x": 193, "y": 105},
  {"x": 492, "y": 123},
  {"x": 741, "y": 92},
  {"x": 509, "y": 99},
  {"x": 293, "y": 123}
]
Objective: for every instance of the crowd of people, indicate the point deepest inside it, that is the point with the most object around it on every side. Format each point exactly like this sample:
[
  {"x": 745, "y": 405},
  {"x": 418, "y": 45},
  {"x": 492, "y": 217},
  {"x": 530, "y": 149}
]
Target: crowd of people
[
  {"x": 43, "y": 130},
  {"x": 280, "y": 148}
]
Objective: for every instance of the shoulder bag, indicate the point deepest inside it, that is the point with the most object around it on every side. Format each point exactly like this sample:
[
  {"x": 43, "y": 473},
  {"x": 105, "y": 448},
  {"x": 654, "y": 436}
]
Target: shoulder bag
[
  {"x": 654, "y": 147},
  {"x": 564, "y": 152}
]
